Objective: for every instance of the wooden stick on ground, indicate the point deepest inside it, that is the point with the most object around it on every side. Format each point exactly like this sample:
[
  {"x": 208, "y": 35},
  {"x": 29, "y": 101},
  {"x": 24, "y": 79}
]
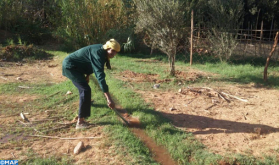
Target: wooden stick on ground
[
  {"x": 25, "y": 87},
  {"x": 210, "y": 107},
  {"x": 223, "y": 97},
  {"x": 4, "y": 78},
  {"x": 219, "y": 94},
  {"x": 8, "y": 116},
  {"x": 55, "y": 137},
  {"x": 235, "y": 97}
]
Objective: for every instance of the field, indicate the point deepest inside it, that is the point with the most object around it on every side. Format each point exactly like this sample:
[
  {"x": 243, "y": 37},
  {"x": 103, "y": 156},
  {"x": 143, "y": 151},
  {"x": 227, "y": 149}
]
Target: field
[{"x": 201, "y": 116}]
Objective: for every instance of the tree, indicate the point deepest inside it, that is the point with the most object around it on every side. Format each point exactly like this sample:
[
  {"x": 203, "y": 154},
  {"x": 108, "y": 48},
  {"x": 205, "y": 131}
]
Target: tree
[
  {"x": 162, "y": 21},
  {"x": 225, "y": 19}
]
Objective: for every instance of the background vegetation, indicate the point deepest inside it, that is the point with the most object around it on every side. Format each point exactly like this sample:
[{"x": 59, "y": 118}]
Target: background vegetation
[
  {"x": 77, "y": 23},
  {"x": 81, "y": 22}
]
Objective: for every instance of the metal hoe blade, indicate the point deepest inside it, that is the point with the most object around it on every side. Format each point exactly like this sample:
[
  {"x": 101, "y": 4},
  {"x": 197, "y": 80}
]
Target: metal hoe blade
[{"x": 118, "y": 114}]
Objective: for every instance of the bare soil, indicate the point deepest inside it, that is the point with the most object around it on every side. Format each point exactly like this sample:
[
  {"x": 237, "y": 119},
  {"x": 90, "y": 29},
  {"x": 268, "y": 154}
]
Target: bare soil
[
  {"x": 97, "y": 151},
  {"x": 47, "y": 71},
  {"x": 224, "y": 125}
]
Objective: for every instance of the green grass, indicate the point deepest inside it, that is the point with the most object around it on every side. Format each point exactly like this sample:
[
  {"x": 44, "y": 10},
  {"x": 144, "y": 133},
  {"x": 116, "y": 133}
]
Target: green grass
[
  {"x": 52, "y": 97},
  {"x": 242, "y": 71},
  {"x": 182, "y": 146}
]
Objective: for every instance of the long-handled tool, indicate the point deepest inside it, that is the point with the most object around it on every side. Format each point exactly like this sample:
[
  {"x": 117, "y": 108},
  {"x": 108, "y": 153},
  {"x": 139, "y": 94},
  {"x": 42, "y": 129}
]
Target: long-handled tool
[{"x": 118, "y": 114}]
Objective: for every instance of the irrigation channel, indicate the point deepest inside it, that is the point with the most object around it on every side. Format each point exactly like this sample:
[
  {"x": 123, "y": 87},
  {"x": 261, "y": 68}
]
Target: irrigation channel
[{"x": 159, "y": 153}]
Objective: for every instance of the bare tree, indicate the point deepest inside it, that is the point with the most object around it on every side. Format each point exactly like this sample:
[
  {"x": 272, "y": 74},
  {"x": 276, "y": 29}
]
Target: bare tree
[{"x": 162, "y": 21}]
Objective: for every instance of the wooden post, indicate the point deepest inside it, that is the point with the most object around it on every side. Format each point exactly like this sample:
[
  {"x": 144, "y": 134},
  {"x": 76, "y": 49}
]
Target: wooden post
[
  {"x": 191, "y": 42},
  {"x": 261, "y": 37},
  {"x": 270, "y": 29},
  {"x": 270, "y": 54},
  {"x": 257, "y": 24}
]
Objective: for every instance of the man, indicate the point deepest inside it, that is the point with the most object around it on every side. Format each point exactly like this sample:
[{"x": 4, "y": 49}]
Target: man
[{"x": 80, "y": 64}]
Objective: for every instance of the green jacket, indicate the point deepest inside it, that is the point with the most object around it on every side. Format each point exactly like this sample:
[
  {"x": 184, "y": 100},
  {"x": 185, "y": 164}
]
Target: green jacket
[{"x": 87, "y": 60}]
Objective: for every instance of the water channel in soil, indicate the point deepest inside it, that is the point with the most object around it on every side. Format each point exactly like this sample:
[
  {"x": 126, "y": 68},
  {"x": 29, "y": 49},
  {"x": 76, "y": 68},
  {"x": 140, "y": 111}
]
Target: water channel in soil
[{"x": 159, "y": 153}]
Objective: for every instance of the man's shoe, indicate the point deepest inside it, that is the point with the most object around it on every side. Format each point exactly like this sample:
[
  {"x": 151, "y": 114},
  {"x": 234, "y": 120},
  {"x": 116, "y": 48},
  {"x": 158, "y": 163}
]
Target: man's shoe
[{"x": 82, "y": 125}]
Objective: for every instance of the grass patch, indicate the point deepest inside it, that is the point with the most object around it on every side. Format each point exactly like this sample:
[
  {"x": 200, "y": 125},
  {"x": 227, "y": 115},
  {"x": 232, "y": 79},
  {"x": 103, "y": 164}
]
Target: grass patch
[
  {"x": 33, "y": 160},
  {"x": 236, "y": 70},
  {"x": 52, "y": 97},
  {"x": 182, "y": 146}
]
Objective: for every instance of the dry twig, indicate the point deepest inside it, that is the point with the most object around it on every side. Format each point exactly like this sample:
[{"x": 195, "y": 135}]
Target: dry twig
[
  {"x": 55, "y": 137},
  {"x": 25, "y": 87},
  {"x": 235, "y": 97},
  {"x": 210, "y": 107},
  {"x": 4, "y": 78}
]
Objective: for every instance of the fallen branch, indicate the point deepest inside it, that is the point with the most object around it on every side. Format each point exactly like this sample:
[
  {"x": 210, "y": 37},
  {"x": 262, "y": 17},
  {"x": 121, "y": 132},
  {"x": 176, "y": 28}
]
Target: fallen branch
[
  {"x": 8, "y": 116},
  {"x": 70, "y": 123},
  {"x": 3, "y": 78},
  {"x": 24, "y": 117},
  {"x": 13, "y": 154},
  {"x": 224, "y": 98},
  {"x": 235, "y": 97},
  {"x": 219, "y": 94},
  {"x": 210, "y": 107},
  {"x": 227, "y": 95},
  {"x": 25, "y": 87},
  {"x": 51, "y": 119},
  {"x": 55, "y": 137},
  {"x": 53, "y": 94},
  {"x": 194, "y": 89}
]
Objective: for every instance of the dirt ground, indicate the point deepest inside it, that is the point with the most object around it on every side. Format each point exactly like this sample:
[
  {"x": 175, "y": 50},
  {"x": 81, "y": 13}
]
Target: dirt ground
[
  {"x": 226, "y": 118},
  {"x": 41, "y": 71},
  {"x": 101, "y": 149}
]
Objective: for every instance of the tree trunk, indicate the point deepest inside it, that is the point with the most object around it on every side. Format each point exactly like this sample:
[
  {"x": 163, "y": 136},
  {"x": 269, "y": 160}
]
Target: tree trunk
[
  {"x": 172, "y": 67},
  {"x": 270, "y": 54},
  {"x": 172, "y": 62}
]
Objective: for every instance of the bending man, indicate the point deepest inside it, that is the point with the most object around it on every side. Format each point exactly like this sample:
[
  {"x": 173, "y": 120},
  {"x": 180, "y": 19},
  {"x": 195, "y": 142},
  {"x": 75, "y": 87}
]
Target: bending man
[{"x": 78, "y": 65}]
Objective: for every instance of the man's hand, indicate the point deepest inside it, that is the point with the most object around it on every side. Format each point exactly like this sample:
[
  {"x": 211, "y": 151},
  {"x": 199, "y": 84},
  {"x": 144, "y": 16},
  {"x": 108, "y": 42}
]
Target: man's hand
[
  {"x": 110, "y": 102},
  {"x": 87, "y": 78}
]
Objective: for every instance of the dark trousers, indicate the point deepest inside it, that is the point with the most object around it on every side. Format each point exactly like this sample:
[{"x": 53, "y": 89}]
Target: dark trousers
[{"x": 84, "y": 99}]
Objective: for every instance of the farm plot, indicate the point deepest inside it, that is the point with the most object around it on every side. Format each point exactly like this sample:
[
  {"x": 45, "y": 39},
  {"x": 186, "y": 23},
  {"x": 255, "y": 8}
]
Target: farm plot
[{"x": 226, "y": 118}]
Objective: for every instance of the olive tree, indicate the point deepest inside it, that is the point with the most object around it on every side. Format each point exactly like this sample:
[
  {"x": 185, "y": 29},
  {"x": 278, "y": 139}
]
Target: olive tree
[
  {"x": 225, "y": 17},
  {"x": 162, "y": 21}
]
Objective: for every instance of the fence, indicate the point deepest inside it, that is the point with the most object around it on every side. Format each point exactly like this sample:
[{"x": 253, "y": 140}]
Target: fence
[
  {"x": 251, "y": 43},
  {"x": 256, "y": 43}
]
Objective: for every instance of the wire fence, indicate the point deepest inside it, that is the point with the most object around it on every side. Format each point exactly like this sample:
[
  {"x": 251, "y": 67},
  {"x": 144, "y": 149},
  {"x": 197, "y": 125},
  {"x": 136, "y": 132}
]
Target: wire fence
[
  {"x": 256, "y": 43},
  {"x": 251, "y": 44}
]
